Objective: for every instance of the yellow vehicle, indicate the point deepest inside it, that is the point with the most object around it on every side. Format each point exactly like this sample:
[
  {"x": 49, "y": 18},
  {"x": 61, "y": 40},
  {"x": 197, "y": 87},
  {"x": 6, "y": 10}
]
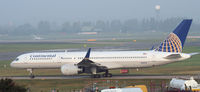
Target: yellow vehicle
[{"x": 143, "y": 87}]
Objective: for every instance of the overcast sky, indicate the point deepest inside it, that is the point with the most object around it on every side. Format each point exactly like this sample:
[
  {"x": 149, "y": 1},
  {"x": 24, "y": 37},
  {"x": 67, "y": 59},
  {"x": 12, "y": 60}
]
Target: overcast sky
[{"x": 32, "y": 11}]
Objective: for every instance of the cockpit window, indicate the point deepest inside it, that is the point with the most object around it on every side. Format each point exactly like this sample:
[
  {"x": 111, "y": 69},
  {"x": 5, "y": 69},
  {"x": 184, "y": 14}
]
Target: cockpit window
[{"x": 16, "y": 59}]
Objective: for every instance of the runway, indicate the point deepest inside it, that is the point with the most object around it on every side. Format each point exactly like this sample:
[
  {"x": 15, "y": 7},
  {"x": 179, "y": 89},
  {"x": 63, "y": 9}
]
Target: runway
[{"x": 114, "y": 77}]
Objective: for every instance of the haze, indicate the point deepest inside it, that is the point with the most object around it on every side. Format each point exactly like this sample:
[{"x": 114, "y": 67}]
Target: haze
[{"x": 32, "y": 11}]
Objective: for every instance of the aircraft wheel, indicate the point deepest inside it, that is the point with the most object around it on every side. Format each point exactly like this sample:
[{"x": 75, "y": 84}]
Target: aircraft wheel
[
  {"x": 105, "y": 75},
  {"x": 96, "y": 76},
  {"x": 109, "y": 75},
  {"x": 32, "y": 76},
  {"x": 31, "y": 73}
]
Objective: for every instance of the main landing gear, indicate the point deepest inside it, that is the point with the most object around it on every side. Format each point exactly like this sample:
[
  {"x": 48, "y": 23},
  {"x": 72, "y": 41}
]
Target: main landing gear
[
  {"x": 96, "y": 76},
  {"x": 32, "y": 76},
  {"x": 106, "y": 74}
]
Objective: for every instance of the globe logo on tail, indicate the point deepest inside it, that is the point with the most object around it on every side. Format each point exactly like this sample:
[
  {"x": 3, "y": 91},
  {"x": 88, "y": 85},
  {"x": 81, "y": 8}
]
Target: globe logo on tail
[{"x": 171, "y": 44}]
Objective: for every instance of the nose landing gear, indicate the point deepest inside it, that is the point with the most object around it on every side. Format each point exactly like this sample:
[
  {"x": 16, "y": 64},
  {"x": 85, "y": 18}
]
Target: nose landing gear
[{"x": 32, "y": 76}]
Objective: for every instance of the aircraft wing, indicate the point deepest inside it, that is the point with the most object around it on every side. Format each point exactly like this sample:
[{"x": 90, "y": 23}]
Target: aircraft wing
[
  {"x": 176, "y": 56},
  {"x": 87, "y": 64}
]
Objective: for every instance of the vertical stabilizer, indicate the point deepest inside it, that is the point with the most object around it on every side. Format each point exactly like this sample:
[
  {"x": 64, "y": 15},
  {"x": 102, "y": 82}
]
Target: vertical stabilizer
[{"x": 175, "y": 40}]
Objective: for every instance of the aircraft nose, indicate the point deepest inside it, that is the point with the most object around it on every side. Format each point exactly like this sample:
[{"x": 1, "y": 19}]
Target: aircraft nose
[{"x": 12, "y": 64}]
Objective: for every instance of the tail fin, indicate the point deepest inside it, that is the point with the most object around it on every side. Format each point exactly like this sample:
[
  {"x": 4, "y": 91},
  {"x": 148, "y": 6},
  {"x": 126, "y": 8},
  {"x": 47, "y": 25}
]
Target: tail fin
[{"x": 175, "y": 40}]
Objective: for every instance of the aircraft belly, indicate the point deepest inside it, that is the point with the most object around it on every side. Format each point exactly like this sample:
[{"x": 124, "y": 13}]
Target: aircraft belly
[
  {"x": 41, "y": 65},
  {"x": 125, "y": 64},
  {"x": 111, "y": 65}
]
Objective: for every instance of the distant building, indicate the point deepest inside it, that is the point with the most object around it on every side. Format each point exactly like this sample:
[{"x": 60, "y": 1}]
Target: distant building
[
  {"x": 87, "y": 33},
  {"x": 193, "y": 37},
  {"x": 87, "y": 28}
]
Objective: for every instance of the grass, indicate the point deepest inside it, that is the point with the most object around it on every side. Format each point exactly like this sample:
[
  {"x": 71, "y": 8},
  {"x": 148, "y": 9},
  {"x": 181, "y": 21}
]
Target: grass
[
  {"x": 31, "y": 47},
  {"x": 24, "y": 47},
  {"x": 68, "y": 85},
  {"x": 71, "y": 84},
  {"x": 48, "y": 85}
]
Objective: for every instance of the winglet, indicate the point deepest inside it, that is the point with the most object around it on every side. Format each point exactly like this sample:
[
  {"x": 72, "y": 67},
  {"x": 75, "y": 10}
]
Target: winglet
[{"x": 88, "y": 53}]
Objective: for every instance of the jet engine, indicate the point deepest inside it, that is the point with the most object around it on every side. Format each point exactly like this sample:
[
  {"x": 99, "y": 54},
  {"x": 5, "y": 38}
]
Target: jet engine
[{"x": 70, "y": 69}]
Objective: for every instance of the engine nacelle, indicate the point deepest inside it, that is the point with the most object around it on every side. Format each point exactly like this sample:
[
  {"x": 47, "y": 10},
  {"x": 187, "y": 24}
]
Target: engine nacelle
[{"x": 70, "y": 69}]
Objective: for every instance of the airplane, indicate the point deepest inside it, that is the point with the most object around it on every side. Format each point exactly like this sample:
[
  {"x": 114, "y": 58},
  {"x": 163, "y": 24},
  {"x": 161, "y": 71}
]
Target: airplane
[
  {"x": 74, "y": 63},
  {"x": 35, "y": 37}
]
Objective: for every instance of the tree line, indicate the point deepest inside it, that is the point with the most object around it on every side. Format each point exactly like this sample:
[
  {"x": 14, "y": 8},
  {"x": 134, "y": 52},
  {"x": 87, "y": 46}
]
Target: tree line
[{"x": 100, "y": 26}]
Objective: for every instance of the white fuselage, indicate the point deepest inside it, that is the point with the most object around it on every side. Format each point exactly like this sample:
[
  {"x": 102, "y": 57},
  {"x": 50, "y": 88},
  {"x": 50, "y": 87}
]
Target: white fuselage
[{"x": 111, "y": 59}]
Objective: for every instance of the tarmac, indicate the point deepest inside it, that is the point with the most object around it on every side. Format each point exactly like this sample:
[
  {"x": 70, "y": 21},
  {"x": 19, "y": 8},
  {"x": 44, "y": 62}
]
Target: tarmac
[{"x": 114, "y": 77}]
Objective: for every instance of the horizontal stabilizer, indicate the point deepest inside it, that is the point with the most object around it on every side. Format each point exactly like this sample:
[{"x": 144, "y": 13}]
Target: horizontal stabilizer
[
  {"x": 195, "y": 53},
  {"x": 173, "y": 56}
]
